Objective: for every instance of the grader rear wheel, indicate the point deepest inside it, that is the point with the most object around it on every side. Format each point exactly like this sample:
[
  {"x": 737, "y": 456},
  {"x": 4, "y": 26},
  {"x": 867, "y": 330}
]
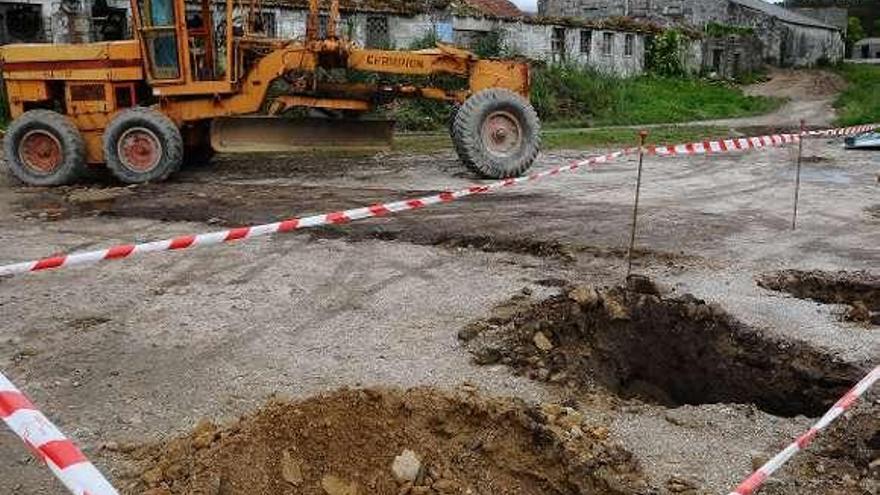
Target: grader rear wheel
[
  {"x": 44, "y": 148},
  {"x": 142, "y": 145},
  {"x": 497, "y": 133}
]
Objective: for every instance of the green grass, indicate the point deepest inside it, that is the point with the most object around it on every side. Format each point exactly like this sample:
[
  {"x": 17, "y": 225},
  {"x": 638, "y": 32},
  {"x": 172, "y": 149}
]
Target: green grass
[
  {"x": 575, "y": 139},
  {"x": 860, "y": 102},
  {"x": 650, "y": 100},
  {"x": 567, "y": 96}
]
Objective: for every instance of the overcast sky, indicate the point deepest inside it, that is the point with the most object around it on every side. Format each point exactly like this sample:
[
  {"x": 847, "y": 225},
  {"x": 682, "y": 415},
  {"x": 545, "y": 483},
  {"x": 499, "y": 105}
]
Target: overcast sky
[
  {"x": 527, "y": 5},
  {"x": 531, "y": 5}
]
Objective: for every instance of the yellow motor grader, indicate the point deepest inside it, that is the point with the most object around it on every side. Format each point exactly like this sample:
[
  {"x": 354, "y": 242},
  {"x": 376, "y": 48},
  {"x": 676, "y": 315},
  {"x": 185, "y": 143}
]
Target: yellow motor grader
[{"x": 196, "y": 81}]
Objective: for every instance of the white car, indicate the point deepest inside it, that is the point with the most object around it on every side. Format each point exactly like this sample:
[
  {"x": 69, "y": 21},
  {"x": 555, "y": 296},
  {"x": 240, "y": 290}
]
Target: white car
[{"x": 868, "y": 140}]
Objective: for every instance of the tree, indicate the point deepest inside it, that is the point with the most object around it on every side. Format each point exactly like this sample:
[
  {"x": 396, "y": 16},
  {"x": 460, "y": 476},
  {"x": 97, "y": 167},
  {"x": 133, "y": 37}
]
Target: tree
[
  {"x": 876, "y": 31},
  {"x": 854, "y": 32}
]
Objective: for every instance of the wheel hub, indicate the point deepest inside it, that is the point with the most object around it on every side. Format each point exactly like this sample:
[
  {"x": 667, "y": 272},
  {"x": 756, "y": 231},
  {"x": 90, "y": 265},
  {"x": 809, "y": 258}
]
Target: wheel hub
[
  {"x": 40, "y": 151},
  {"x": 502, "y": 133},
  {"x": 139, "y": 149}
]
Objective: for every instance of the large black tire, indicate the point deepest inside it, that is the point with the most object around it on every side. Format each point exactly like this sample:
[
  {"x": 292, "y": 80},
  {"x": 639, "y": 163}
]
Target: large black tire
[
  {"x": 44, "y": 148},
  {"x": 497, "y": 133},
  {"x": 142, "y": 145},
  {"x": 456, "y": 140}
]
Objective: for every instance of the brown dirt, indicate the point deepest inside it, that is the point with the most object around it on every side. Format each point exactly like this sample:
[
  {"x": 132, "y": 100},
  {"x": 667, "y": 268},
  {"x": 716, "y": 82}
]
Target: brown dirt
[
  {"x": 859, "y": 290},
  {"x": 345, "y": 442},
  {"x": 670, "y": 351},
  {"x": 845, "y": 460},
  {"x": 800, "y": 84},
  {"x": 234, "y": 205}
]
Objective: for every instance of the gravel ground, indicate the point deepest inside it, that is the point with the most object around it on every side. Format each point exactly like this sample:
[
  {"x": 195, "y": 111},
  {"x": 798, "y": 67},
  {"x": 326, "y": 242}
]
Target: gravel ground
[{"x": 141, "y": 350}]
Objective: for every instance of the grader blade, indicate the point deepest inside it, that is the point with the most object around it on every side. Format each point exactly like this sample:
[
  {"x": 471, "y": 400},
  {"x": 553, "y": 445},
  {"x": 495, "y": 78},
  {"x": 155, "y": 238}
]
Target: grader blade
[{"x": 261, "y": 134}]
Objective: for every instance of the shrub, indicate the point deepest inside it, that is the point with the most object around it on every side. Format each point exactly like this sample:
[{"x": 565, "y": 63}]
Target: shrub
[
  {"x": 571, "y": 93},
  {"x": 665, "y": 56}
]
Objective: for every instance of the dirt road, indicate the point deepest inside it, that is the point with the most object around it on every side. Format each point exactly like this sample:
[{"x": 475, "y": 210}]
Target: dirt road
[
  {"x": 127, "y": 353},
  {"x": 810, "y": 93}
]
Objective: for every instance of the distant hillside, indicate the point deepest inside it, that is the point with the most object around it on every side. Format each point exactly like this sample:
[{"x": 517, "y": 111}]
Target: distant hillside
[{"x": 866, "y": 10}]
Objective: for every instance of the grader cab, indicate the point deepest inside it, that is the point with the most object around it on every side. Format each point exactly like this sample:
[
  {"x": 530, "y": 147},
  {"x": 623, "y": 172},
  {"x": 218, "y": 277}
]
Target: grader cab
[{"x": 203, "y": 77}]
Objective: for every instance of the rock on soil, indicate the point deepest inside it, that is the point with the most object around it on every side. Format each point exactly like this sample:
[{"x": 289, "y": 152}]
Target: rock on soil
[
  {"x": 860, "y": 290},
  {"x": 380, "y": 441}
]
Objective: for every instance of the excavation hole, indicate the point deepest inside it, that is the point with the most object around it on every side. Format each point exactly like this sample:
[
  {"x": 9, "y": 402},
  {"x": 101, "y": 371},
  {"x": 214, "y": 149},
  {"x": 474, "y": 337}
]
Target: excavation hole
[
  {"x": 860, "y": 291},
  {"x": 670, "y": 351},
  {"x": 346, "y": 442}
]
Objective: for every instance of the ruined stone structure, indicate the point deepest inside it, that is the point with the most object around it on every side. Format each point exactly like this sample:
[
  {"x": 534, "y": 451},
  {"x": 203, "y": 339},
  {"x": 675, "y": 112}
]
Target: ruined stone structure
[{"x": 786, "y": 38}]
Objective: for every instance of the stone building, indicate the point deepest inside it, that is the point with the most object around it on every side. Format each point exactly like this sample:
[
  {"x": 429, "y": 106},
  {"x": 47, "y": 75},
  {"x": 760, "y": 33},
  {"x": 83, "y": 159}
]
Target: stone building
[
  {"x": 833, "y": 16},
  {"x": 379, "y": 24},
  {"x": 867, "y": 49},
  {"x": 786, "y": 38}
]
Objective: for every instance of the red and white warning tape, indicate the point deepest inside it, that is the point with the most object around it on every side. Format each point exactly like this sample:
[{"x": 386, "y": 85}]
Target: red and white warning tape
[
  {"x": 378, "y": 210},
  {"x": 757, "y": 479},
  {"x": 64, "y": 459},
  {"x": 844, "y": 131}
]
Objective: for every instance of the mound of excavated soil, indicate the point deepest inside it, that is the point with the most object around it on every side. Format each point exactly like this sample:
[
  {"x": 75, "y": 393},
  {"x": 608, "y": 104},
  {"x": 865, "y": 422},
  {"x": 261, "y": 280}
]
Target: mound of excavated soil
[
  {"x": 666, "y": 350},
  {"x": 346, "y": 442},
  {"x": 859, "y": 290}
]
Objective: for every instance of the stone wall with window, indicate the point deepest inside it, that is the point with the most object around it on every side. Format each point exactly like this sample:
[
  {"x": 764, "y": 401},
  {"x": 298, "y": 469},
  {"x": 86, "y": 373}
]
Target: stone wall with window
[{"x": 617, "y": 52}]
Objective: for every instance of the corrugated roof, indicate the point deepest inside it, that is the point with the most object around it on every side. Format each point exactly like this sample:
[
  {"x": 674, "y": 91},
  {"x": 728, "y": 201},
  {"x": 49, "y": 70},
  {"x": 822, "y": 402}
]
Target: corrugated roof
[
  {"x": 385, "y": 6},
  {"x": 492, "y": 8},
  {"x": 782, "y": 14},
  {"x": 496, "y": 8}
]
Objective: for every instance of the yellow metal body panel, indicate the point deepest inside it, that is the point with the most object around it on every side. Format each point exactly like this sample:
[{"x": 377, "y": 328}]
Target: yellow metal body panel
[
  {"x": 62, "y": 74},
  {"x": 510, "y": 75},
  {"x": 59, "y": 53},
  {"x": 252, "y": 90},
  {"x": 423, "y": 63}
]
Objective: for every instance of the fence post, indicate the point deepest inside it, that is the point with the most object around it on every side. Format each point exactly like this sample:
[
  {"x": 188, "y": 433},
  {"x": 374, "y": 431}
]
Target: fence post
[
  {"x": 635, "y": 215},
  {"x": 797, "y": 181}
]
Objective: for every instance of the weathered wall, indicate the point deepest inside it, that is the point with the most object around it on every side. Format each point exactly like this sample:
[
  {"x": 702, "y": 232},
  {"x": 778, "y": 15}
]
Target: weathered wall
[
  {"x": 789, "y": 45},
  {"x": 732, "y": 56},
  {"x": 534, "y": 41},
  {"x": 696, "y": 12},
  {"x": 867, "y": 49},
  {"x": 834, "y": 16},
  {"x": 784, "y": 43},
  {"x": 528, "y": 39}
]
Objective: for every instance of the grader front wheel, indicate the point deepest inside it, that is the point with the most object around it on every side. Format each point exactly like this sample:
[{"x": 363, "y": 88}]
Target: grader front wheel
[
  {"x": 497, "y": 133},
  {"x": 44, "y": 148}
]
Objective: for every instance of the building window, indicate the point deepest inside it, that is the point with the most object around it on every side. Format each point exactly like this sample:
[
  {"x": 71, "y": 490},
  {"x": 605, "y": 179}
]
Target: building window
[
  {"x": 607, "y": 44},
  {"x": 557, "y": 44},
  {"x": 717, "y": 59},
  {"x": 586, "y": 41},
  {"x": 377, "y": 32},
  {"x": 265, "y": 24},
  {"x": 629, "y": 41}
]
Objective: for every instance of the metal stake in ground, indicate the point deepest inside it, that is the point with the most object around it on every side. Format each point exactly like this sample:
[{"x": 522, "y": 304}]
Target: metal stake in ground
[
  {"x": 797, "y": 180},
  {"x": 635, "y": 216}
]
